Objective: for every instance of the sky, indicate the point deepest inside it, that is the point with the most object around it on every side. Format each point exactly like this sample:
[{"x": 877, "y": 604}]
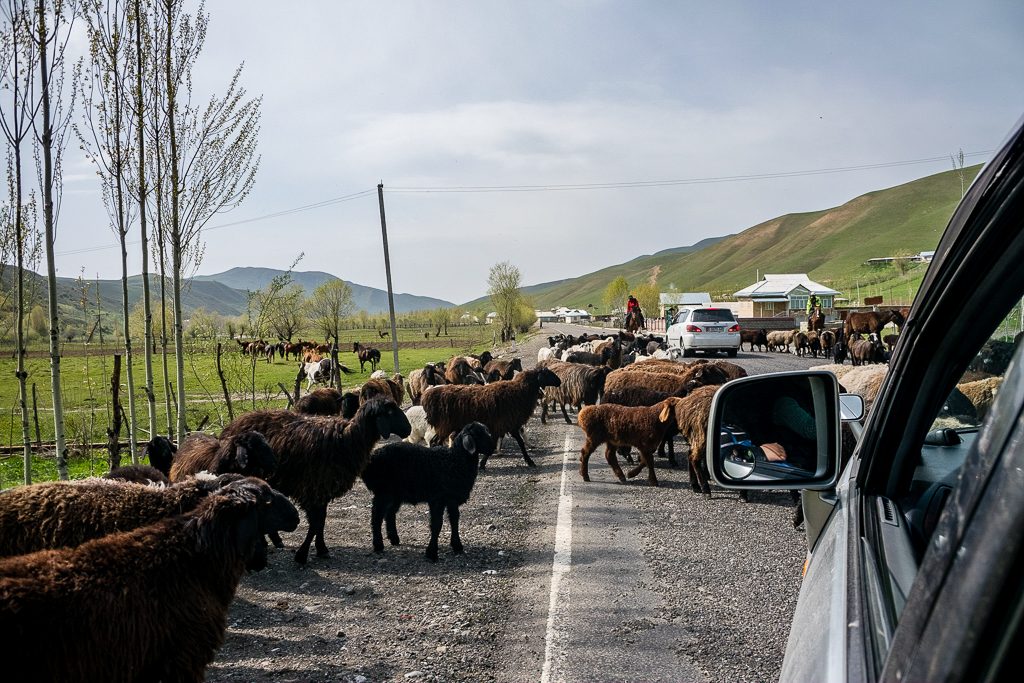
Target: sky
[{"x": 534, "y": 96}]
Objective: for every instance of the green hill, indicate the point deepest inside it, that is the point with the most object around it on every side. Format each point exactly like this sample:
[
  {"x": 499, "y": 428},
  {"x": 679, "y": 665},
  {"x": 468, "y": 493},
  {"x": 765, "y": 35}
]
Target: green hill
[{"x": 831, "y": 246}]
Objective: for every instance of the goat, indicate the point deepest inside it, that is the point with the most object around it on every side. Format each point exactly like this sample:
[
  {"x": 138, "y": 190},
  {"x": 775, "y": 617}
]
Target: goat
[
  {"x": 440, "y": 476},
  {"x": 160, "y": 592}
]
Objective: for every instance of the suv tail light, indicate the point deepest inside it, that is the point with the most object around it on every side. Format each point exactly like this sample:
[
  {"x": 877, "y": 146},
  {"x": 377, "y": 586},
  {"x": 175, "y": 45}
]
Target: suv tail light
[
  {"x": 693, "y": 328},
  {"x": 735, "y": 328}
]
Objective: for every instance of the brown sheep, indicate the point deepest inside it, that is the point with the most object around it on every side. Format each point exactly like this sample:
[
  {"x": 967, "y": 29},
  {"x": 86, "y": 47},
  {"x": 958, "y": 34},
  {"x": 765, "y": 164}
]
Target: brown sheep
[
  {"x": 138, "y": 474},
  {"x": 499, "y": 370},
  {"x": 981, "y": 393},
  {"x": 419, "y": 380},
  {"x": 160, "y": 593},
  {"x": 502, "y": 407},
  {"x": 62, "y": 514},
  {"x": 387, "y": 388},
  {"x": 320, "y": 401},
  {"x": 459, "y": 371},
  {"x": 581, "y": 385},
  {"x": 692, "y": 421},
  {"x": 247, "y": 453},
  {"x": 318, "y": 457},
  {"x": 619, "y": 426},
  {"x": 674, "y": 383}
]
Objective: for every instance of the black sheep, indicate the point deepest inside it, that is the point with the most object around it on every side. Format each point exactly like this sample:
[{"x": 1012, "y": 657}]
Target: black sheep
[
  {"x": 160, "y": 451},
  {"x": 439, "y": 476}
]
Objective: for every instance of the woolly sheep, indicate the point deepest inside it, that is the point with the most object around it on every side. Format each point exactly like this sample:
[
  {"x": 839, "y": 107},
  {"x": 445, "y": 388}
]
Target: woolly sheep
[
  {"x": 320, "y": 457},
  {"x": 421, "y": 431},
  {"x": 441, "y": 477},
  {"x": 158, "y": 595},
  {"x": 247, "y": 453},
  {"x": 580, "y": 385},
  {"x": 618, "y": 426}
]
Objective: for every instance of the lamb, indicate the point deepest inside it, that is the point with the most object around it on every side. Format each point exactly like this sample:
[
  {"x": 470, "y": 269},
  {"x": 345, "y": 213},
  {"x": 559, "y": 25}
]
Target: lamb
[
  {"x": 581, "y": 385},
  {"x": 64, "y": 514},
  {"x": 621, "y": 426},
  {"x": 160, "y": 450},
  {"x": 497, "y": 370},
  {"x": 160, "y": 593},
  {"x": 245, "y": 453},
  {"x": 319, "y": 458},
  {"x": 419, "y": 380},
  {"x": 441, "y": 477},
  {"x": 421, "y": 431},
  {"x": 502, "y": 407}
]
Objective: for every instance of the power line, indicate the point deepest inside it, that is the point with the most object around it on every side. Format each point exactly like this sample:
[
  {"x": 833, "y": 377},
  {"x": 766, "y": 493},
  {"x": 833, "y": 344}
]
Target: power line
[
  {"x": 276, "y": 214},
  {"x": 673, "y": 182}
]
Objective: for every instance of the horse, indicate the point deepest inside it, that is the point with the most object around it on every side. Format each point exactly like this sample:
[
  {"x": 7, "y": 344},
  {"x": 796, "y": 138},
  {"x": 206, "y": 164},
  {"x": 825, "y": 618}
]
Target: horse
[
  {"x": 816, "y": 321},
  {"x": 871, "y": 322},
  {"x": 635, "y": 320},
  {"x": 366, "y": 355}
]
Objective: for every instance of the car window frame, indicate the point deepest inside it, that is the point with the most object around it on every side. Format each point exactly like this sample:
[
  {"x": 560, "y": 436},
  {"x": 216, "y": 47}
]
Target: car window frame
[{"x": 978, "y": 256}]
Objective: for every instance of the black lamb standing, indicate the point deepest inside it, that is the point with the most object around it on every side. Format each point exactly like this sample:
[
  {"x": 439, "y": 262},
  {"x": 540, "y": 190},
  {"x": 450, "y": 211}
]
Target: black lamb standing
[{"x": 439, "y": 476}]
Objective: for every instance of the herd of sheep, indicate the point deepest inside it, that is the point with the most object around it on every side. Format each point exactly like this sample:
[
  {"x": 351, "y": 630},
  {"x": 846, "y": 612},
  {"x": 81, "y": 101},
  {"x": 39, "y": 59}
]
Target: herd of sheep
[{"x": 150, "y": 557}]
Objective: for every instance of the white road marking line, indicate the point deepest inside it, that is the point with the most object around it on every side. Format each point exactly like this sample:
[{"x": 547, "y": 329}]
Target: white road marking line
[{"x": 562, "y": 563}]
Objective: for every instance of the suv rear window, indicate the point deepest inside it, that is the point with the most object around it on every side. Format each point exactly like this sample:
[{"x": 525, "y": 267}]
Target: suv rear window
[{"x": 713, "y": 315}]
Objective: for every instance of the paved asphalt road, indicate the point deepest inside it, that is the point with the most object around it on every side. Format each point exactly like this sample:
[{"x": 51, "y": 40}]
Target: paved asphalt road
[{"x": 618, "y": 587}]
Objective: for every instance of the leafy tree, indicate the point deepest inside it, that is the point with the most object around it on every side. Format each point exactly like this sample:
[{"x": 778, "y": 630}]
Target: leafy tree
[
  {"x": 503, "y": 284},
  {"x": 648, "y": 296},
  {"x": 286, "y": 315},
  {"x": 203, "y": 324},
  {"x": 329, "y": 305},
  {"x": 614, "y": 297}
]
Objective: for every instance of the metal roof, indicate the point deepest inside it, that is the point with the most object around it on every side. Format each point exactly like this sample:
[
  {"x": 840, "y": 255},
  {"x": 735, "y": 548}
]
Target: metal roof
[{"x": 782, "y": 284}]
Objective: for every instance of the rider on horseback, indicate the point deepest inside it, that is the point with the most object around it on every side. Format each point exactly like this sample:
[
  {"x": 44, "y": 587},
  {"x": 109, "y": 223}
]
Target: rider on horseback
[{"x": 633, "y": 311}]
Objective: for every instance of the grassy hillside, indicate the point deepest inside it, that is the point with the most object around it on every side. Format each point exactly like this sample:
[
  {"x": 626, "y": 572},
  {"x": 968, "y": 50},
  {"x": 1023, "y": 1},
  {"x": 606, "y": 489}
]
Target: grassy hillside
[{"x": 831, "y": 246}]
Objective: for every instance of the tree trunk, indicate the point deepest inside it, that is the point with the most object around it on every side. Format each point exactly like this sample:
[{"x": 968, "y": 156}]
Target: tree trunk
[
  {"x": 114, "y": 431},
  {"x": 147, "y": 309},
  {"x": 46, "y": 140},
  {"x": 20, "y": 328},
  {"x": 35, "y": 417},
  {"x": 224, "y": 385}
]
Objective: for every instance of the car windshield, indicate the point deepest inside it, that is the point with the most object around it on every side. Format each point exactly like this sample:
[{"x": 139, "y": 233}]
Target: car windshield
[{"x": 713, "y": 315}]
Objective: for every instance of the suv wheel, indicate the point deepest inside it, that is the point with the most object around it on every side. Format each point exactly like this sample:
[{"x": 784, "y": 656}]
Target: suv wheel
[
  {"x": 731, "y": 352},
  {"x": 688, "y": 353}
]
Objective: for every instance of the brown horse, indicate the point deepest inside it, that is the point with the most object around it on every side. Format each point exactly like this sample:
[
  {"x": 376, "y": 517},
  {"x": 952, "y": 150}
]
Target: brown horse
[
  {"x": 868, "y": 322},
  {"x": 635, "y": 320},
  {"x": 816, "y": 321}
]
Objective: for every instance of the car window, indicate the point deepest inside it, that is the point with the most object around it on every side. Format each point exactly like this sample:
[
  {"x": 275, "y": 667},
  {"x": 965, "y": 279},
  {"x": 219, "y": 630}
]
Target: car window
[
  {"x": 683, "y": 315},
  {"x": 713, "y": 315}
]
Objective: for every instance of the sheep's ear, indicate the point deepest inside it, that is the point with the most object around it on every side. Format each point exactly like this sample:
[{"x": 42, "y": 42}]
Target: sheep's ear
[
  {"x": 666, "y": 413},
  {"x": 241, "y": 456},
  {"x": 469, "y": 444}
]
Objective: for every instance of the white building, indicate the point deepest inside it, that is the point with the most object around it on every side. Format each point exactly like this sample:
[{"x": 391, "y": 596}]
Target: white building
[
  {"x": 781, "y": 294},
  {"x": 677, "y": 299}
]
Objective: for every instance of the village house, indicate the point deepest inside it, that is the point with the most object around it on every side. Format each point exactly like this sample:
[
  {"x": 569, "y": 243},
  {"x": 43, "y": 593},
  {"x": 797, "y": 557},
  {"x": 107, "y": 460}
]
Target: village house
[{"x": 782, "y": 294}]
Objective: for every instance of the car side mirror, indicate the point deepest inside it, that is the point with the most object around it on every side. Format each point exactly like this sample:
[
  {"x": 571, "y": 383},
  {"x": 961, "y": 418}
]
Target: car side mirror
[
  {"x": 851, "y": 407},
  {"x": 777, "y": 431}
]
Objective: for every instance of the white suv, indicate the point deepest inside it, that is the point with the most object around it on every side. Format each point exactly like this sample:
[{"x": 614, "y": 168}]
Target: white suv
[{"x": 705, "y": 328}]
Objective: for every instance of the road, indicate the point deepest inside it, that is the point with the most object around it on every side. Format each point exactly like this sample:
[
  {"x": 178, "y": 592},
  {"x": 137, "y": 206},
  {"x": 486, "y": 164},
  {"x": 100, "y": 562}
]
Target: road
[{"x": 624, "y": 579}]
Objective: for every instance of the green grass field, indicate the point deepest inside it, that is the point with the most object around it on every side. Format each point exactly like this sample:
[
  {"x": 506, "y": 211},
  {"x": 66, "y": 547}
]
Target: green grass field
[{"x": 86, "y": 373}]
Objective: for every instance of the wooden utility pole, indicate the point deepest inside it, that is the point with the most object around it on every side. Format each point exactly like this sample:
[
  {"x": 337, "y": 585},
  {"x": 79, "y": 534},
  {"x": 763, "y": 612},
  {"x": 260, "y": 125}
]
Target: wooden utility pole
[{"x": 387, "y": 270}]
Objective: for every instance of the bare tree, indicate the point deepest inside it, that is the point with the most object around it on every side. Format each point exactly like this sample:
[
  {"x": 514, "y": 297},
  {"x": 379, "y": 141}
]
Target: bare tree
[
  {"x": 52, "y": 25},
  {"x": 329, "y": 304},
  {"x": 107, "y": 136},
  {"x": 958, "y": 166},
  {"x": 503, "y": 284},
  {"x": 17, "y": 68},
  {"x": 211, "y": 155}
]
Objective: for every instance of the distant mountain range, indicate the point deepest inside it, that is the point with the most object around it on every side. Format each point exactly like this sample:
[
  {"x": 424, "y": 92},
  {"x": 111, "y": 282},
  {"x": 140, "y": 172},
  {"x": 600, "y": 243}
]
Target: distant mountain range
[
  {"x": 224, "y": 293},
  {"x": 832, "y": 246}
]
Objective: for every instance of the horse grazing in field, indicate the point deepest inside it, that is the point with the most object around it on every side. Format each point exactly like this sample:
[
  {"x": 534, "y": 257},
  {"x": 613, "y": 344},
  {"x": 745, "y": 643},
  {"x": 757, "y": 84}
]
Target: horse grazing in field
[
  {"x": 366, "y": 355},
  {"x": 871, "y": 322},
  {"x": 635, "y": 320},
  {"x": 816, "y": 321}
]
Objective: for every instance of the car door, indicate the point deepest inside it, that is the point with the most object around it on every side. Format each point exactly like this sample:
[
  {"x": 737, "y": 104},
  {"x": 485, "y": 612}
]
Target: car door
[{"x": 922, "y": 512}]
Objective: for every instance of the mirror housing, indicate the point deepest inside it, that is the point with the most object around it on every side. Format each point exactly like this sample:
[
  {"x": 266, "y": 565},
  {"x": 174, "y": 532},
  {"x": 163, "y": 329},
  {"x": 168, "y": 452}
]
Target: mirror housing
[
  {"x": 851, "y": 407},
  {"x": 777, "y": 431}
]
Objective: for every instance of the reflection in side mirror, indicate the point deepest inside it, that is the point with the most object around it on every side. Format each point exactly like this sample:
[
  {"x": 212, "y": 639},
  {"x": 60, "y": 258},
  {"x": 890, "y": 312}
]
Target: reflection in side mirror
[
  {"x": 851, "y": 407},
  {"x": 778, "y": 431}
]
